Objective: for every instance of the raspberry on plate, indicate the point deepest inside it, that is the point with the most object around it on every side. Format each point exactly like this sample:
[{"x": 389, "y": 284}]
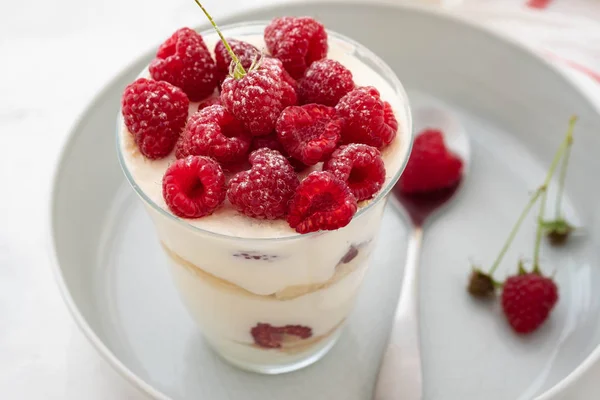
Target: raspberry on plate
[
  {"x": 245, "y": 52},
  {"x": 325, "y": 82},
  {"x": 265, "y": 190},
  {"x": 527, "y": 300},
  {"x": 155, "y": 113},
  {"x": 431, "y": 165},
  {"x": 321, "y": 202},
  {"x": 367, "y": 118},
  {"x": 185, "y": 61},
  {"x": 297, "y": 42},
  {"x": 309, "y": 133},
  {"x": 360, "y": 166},
  {"x": 194, "y": 186},
  {"x": 214, "y": 132},
  {"x": 258, "y": 97}
]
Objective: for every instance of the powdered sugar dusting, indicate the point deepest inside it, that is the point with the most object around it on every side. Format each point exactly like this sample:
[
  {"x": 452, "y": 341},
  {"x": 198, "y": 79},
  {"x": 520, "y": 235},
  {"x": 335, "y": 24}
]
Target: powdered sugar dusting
[
  {"x": 265, "y": 190},
  {"x": 297, "y": 42},
  {"x": 226, "y": 220},
  {"x": 325, "y": 82},
  {"x": 258, "y": 98}
]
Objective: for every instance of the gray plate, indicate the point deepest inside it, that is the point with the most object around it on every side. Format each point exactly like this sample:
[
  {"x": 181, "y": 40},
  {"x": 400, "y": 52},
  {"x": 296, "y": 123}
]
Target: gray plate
[{"x": 515, "y": 107}]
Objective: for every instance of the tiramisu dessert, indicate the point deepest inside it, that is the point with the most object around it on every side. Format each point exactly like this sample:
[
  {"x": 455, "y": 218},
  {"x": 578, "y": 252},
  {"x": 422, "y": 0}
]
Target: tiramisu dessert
[{"x": 264, "y": 156}]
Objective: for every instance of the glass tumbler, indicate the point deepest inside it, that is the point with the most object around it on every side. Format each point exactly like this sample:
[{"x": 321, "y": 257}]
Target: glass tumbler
[{"x": 277, "y": 304}]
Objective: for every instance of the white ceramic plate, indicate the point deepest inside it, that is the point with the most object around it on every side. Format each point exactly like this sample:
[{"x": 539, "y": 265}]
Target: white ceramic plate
[{"x": 515, "y": 107}]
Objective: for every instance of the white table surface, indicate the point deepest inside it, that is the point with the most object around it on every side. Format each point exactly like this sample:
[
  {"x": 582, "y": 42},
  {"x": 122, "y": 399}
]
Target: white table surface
[{"x": 54, "y": 56}]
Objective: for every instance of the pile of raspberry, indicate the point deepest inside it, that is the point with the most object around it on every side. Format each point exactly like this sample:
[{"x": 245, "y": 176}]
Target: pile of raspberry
[{"x": 260, "y": 126}]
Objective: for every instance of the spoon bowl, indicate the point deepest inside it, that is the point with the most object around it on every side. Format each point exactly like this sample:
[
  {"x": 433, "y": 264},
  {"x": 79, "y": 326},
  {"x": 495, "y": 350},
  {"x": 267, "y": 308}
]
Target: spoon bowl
[{"x": 400, "y": 374}]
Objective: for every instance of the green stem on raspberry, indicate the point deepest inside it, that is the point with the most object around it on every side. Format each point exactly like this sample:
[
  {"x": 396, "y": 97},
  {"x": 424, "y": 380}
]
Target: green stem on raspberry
[
  {"x": 566, "y": 143},
  {"x": 522, "y": 270},
  {"x": 238, "y": 71},
  {"x": 540, "y": 192},
  {"x": 515, "y": 229},
  {"x": 539, "y": 231},
  {"x": 561, "y": 181}
]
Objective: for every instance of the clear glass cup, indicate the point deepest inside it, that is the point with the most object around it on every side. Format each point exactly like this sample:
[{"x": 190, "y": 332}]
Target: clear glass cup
[{"x": 292, "y": 294}]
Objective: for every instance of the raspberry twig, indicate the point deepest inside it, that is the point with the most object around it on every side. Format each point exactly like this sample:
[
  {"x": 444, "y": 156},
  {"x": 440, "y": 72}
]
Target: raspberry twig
[
  {"x": 516, "y": 227},
  {"x": 558, "y": 230},
  {"x": 566, "y": 143},
  {"x": 538, "y": 233},
  {"x": 238, "y": 70},
  {"x": 482, "y": 284},
  {"x": 561, "y": 181}
]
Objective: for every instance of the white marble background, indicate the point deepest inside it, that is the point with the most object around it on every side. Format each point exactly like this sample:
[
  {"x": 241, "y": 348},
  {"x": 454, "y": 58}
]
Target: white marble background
[{"x": 54, "y": 56}]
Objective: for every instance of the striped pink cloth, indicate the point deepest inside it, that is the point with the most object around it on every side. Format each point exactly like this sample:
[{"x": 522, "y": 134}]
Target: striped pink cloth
[
  {"x": 591, "y": 6},
  {"x": 539, "y": 4},
  {"x": 565, "y": 31}
]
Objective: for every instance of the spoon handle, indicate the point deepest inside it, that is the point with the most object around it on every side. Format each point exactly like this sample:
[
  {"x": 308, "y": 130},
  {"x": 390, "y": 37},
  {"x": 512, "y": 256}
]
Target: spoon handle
[{"x": 400, "y": 376}]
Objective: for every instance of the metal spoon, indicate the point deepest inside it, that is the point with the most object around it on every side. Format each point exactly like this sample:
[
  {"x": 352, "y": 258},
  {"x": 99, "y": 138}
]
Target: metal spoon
[{"x": 400, "y": 374}]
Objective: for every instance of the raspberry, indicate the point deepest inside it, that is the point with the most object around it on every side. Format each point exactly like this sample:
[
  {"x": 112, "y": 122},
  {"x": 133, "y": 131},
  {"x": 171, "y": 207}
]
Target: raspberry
[
  {"x": 265, "y": 190},
  {"x": 259, "y": 97},
  {"x": 431, "y": 166},
  {"x": 271, "y": 337},
  {"x": 297, "y": 42},
  {"x": 214, "y": 132},
  {"x": 185, "y": 61},
  {"x": 303, "y": 332},
  {"x": 169, "y": 47},
  {"x": 350, "y": 255},
  {"x": 245, "y": 52},
  {"x": 211, "y": 101},
  {"x": 321, "y": 202},
  {"x": 290, "y": 87},
  {"x": 155, "y": 113},
  {"x": 367, "y": 119},
  {"x": 271, "y": 142},
  {"x": 360, "y": 166},
  {"x": 309, "y": 133},
  {"x": 527, "y": 300},
  {"x": 325, "y": 82},
  {"x": 194, "y": 186},
  {"x": 267, "y": 336}
]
